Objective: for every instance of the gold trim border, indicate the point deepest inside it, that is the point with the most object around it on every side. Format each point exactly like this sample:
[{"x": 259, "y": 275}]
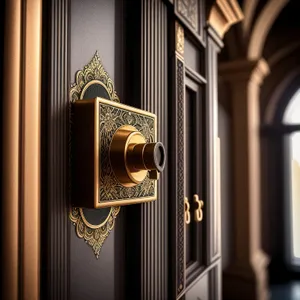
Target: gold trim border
[
  {"x": 97, "y": 203},
  {"x": 11, "y": 150},
  {"x": 91, "y": 225},
  {"x": 94, "y": 70},
  {"x": 96, "y": 102},
  {"x": 93, "y": 235},
  {"x": 179, "y": 36}
]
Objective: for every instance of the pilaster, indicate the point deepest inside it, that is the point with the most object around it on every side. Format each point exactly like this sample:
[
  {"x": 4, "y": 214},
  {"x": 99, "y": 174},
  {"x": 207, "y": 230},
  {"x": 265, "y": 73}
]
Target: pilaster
[{"x": 246, "y": 276}]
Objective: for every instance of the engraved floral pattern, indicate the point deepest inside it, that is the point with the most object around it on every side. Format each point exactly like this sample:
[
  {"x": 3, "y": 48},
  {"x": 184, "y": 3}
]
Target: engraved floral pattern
[
  {"x": 146, "y": 125},
  {"x": 94, "y": 70},
  {"x": 94, "y": 237}
]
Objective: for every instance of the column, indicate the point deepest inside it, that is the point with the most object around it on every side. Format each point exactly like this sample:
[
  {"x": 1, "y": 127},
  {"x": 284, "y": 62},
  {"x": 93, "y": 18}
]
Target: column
[{"x": 246, "y": 276}]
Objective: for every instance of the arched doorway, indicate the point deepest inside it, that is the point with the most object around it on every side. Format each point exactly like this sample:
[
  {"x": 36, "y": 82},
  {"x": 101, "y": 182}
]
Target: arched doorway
[
  {"x": 291, "y": 119},
  {"x": 280, "y": 169}
]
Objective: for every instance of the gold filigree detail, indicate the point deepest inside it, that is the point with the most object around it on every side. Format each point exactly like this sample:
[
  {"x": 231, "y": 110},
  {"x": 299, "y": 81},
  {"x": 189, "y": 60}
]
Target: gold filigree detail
[
  {"x": 93, "y": 235},
  {"x": 94, "y": 70},
  {"x": 179, "y": 39},
  {"x": 112, "y": 118}
]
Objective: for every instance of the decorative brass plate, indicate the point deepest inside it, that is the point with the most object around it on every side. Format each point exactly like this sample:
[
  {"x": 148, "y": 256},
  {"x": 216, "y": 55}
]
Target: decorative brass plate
[
  {"x": 92, "y": 81},
  {"x": 112, "y": 117},
  {"x": 96, "y": 121}
]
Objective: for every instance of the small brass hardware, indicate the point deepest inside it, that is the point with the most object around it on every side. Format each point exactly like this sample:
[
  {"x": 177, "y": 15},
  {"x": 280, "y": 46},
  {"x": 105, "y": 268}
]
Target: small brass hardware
[
  {"x": 132, "y": 157},
  {"x": 187, "y": 214},
  {"x": 198, "y": 214}
]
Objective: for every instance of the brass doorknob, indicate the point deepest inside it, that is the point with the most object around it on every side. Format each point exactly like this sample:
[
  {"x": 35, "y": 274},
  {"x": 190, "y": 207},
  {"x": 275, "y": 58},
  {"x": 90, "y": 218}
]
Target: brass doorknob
[{"x": 132, "y": 158}]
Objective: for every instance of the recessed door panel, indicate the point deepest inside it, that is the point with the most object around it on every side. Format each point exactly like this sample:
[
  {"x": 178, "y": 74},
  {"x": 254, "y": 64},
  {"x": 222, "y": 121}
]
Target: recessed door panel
[{"x": 195, "y": 236}]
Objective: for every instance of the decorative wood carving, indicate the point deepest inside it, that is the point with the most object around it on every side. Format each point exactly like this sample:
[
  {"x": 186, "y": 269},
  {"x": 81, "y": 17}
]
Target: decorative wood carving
[
  {"x": 189, "y": 10},
  {"x": 223, "y": 15}
]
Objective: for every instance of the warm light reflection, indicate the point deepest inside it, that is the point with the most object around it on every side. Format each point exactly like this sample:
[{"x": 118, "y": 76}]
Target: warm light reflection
[
  {"x": 292, "y": 116},
  {"x": 292, "y": 112},
  {"x": 295, "y": 182}
]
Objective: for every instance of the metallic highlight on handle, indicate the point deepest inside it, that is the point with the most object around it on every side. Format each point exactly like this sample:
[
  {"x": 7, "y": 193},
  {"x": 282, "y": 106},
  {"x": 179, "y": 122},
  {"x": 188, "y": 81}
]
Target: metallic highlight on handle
[
  {"x": 132, "y": 158},
  {"x": 198, "y": 214},
  {"x": 187, "y": 214}
]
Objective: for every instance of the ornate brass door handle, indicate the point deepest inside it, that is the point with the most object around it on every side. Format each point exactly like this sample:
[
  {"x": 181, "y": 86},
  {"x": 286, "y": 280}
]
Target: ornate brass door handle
[
  {"x": 198, "y": 214},
  {"x": 187, "y": 214},
  {"x": 115, "y": 157}
]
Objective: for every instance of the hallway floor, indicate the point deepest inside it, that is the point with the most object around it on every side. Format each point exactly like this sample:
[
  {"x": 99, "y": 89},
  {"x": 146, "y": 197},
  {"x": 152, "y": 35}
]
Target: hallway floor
[{"x": 287, "y": 291}]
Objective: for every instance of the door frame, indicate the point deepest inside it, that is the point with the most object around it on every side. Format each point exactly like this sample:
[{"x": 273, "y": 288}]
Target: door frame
[{"x": 21, "y": 149}]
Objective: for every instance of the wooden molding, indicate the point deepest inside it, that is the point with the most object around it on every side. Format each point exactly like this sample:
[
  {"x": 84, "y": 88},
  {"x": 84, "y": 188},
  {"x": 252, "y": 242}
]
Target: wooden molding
[
  {"x": 21, "y": 150},
  {"x": 148, "y": 68},
  {"x": 30, "y": 156},
  {"x": 55, "y": 192},
  {"x": 223, "y": 15},
  {"x": 10, "y": 158}
]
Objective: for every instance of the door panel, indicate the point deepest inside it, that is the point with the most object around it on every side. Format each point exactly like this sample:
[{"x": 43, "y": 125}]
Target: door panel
[
  {"x": 190, "y": 178},
  {"x": 194, "y": 126},
  {"x": 200, "y": 291}
]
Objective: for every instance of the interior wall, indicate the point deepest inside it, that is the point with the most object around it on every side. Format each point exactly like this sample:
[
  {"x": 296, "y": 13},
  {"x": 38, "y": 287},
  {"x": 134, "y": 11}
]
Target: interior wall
[{"x": 225, "y": 135}]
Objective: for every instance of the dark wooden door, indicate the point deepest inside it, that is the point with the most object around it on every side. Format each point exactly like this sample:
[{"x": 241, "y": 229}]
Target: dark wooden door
[{"x": 162, "y": 58}]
